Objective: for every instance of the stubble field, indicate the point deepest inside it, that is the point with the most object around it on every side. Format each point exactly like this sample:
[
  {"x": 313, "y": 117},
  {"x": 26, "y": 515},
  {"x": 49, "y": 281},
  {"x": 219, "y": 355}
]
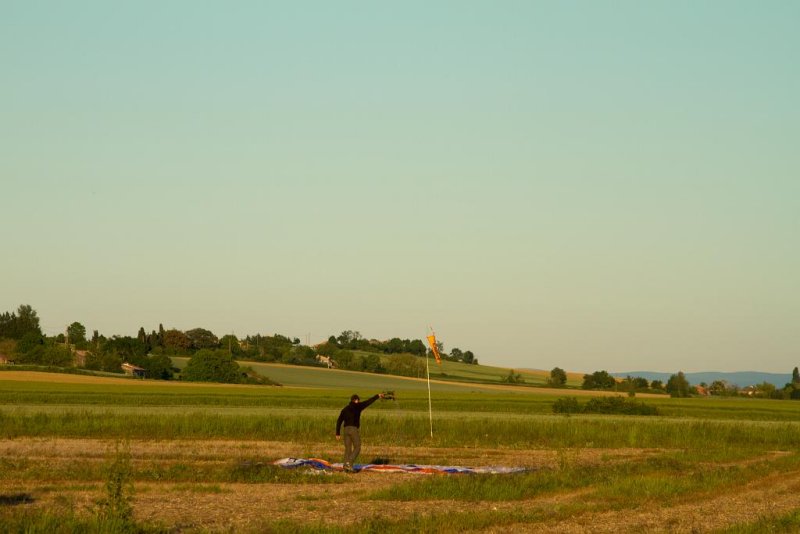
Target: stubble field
[{"x": 194, "y": 458}]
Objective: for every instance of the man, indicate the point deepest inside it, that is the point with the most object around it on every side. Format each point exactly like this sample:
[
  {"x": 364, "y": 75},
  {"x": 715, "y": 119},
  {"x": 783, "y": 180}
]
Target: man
[{"x": 351, "y": 417}]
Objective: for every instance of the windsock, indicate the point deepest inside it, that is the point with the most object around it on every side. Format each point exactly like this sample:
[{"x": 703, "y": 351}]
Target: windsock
[{"x": 434, "y": 347}]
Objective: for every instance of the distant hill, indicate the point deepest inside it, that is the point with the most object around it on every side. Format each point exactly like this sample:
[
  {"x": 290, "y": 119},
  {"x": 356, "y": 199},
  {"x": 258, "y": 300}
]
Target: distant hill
[{"x": 740, "y": 378}]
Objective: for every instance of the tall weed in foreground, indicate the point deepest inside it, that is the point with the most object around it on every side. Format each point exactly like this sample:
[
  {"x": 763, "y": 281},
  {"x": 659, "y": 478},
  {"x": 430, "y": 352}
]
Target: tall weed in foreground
[{"x": 116, "y": 505}]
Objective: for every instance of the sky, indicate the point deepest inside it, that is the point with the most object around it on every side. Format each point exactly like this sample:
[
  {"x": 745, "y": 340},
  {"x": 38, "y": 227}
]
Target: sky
[{"x": 590, "y": 185}]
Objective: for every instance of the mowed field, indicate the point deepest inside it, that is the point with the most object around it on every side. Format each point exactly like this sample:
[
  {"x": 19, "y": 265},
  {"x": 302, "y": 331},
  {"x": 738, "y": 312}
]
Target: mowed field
[{"x": 198, "y": 458}]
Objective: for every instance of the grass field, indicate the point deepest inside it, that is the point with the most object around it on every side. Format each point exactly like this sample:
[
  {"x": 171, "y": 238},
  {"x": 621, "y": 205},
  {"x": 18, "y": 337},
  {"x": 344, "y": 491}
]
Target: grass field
[{"x": 197, "y": 458}]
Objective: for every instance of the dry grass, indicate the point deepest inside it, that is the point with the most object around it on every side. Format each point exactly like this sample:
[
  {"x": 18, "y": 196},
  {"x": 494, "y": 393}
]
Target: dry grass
[{"x": 243, "y": 507}]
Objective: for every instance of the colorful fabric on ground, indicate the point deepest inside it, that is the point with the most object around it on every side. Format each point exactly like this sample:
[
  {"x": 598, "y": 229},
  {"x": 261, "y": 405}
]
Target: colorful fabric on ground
[{"x": 317, "y": 463}]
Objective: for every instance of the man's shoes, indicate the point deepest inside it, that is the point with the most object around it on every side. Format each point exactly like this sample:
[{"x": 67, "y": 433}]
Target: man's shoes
[{"x": 349, "y": 468}]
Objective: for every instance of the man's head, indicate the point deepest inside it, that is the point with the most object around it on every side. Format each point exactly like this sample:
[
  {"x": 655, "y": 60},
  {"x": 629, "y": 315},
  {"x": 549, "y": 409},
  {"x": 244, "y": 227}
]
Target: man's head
[{"x": 354, "y": 398}]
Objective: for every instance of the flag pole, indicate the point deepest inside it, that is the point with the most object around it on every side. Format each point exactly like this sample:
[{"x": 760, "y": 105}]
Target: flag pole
[{"x": 430, "y": 406}]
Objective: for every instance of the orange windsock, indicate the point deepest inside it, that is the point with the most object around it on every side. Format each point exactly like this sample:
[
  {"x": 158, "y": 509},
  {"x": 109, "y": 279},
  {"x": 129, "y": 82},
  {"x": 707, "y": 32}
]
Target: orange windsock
[{"x": 434, "y": 348}]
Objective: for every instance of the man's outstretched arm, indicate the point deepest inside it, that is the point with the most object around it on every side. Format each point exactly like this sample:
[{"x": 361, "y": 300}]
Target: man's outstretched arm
[{"x": 370, "y": 400}]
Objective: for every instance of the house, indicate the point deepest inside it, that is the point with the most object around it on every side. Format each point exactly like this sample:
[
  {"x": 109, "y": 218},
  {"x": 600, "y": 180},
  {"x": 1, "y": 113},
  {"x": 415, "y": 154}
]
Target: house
[
  {"x": 6, "y": 360},
  {"x": 749, "y": 391},
  {"x": 132, "y": 370},
  {"x": 79, "y": 358},
  {"x": 702, "y": 390},
  {"x": 327, "y": 360}
]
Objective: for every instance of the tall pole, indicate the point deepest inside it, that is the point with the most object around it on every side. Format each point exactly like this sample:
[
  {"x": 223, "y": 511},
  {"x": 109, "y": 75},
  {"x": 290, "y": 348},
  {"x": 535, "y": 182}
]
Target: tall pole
[{"x": 430, "y": 406}]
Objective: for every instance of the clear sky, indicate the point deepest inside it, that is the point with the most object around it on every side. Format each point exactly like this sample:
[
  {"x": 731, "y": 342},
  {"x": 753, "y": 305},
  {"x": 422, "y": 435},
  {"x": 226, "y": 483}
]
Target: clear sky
[{"x": 589, "y": 185}]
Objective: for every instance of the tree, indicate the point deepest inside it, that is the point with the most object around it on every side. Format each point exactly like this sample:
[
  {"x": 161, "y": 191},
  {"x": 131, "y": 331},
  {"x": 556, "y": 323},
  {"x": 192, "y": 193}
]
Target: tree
[
  {"x": 230, "y": 343},
  {"x": 110, "y": 362},
  {"x": 142, "y": 335},
  {"x": 129, "y": 348},
  {"x": 678, "y": 386},
  {"x": 657, "y": 385},
  {"x": 796, "y": 376},
  {"x": 513, "y": 378},
  {"x": 599, "y": 380},
  {"x": 394, "y": 346},
  {"x": 27, "y": 321},
  {"x": 765, "y": 390},
  {"x": 416, "y": 347},
  {"x": 558, "y": 377},
  {"x": 176, "y": 341},
  {"x": 159, "y": 366},
  {"x": 348, "y": 338},
  {"x": 202, "y": 339},
  {"x": 640, "y": 383},
  {"x": 211, "y": 366},
  {"x": 456, "y": 354},
  {"x": 29, "y": 342},
  {"x": 76, "y": 333},
  {"x": 15, "y": 326},
  {"x": 469, "y": 357}
]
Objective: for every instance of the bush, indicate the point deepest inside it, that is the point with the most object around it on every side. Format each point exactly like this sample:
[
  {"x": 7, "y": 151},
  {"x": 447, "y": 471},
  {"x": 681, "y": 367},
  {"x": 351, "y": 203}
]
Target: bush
[
  {"x": 604, "y": 405},
  {"x": 212, "y": 366},
  {"x": 567, "y": 405}
]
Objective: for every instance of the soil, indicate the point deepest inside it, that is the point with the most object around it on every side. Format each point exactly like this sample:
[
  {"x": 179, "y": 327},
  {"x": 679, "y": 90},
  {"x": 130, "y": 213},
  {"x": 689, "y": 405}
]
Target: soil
[{"x": 248, "y": 507}]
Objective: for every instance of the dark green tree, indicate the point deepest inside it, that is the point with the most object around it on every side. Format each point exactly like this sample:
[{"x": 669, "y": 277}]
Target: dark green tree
[
  {"x": 202, "y": 339},
  {"x": 678, "y": 386},
  {"x": 107, "y": 361},
  {"x": 141, "y": 335},
  {"x": 77, "y": 334},
  {"x": 176, "y": 342},
  {"x": 159, "y": 366},
  {"x": 512, "y": 378},
  {"x": 16, "y": 325},
  {"x": 29, "y": 342},
  {"x": 212, "y": 366},
  {"x": 599, "y": 380},
  {"x": 795, "y": 376},
  {"x": 230, "y": 343},
  {"x": 558, "y": 377},
  {"x": 27, "y": 321}
]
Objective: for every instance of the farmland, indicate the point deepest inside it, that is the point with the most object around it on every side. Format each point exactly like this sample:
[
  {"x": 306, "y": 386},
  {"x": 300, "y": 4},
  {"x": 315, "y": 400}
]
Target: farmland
[{"x": 198, "y": 458}]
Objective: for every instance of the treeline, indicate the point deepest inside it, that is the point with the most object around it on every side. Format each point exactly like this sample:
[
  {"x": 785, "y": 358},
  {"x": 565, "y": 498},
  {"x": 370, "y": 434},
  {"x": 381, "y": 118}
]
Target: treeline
[
  {"x": 151, "y": 351},
  {"x": 678, "y": 386},
  {"x": 353, "y": 340}
]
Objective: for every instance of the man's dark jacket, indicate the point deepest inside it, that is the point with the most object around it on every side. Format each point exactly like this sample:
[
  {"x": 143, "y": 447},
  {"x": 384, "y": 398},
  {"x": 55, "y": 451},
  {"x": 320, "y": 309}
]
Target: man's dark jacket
[{"x": 351, "y": 414}]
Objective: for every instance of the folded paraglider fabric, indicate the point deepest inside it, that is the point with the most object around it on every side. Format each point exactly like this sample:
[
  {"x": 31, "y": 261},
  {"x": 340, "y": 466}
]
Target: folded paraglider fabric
[{"x": 317, "y": 463}]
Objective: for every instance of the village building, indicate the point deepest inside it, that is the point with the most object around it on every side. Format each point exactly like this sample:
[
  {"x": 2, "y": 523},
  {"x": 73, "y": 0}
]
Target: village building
[{"x": 132, "y": 370}]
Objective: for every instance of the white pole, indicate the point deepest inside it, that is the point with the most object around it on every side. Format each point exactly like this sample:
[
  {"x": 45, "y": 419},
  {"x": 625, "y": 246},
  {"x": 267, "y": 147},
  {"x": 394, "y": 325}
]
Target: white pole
[{"x": 430, "y": 407}]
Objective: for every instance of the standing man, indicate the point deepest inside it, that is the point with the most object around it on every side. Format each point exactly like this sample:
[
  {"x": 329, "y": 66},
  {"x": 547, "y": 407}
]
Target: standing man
[{"x": 351, "y": 417}]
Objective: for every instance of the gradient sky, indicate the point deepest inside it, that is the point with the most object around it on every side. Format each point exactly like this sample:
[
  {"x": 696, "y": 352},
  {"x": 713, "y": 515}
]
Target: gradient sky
[{"x": 589, "y": 185}]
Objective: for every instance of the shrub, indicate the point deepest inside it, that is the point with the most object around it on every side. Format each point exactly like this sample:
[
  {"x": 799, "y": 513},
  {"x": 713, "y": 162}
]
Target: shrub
[
  {"x": 566, "y": 405},
  {"x": 604, "y": 405},
  {"x": 212, "y": 366}
]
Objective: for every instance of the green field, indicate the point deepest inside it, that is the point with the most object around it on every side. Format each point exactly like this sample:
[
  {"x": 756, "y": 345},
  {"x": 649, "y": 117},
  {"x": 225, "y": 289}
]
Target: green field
[
  {"x": 448, "y": 371},
  {"x": 194, "y": 445}
]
